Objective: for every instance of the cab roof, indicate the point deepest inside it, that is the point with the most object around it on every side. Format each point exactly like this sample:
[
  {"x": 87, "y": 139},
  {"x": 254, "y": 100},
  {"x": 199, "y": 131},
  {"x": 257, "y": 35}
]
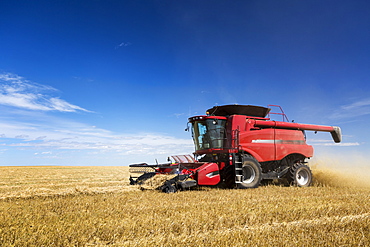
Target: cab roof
[{"x": 248, "y": 110}]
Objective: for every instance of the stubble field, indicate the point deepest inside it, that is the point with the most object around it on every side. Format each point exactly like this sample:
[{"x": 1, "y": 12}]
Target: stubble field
[{"x": 95, "y": 206}]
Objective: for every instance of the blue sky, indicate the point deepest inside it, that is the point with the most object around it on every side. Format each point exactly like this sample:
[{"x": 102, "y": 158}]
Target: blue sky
[{"x": 113, "y": 82}]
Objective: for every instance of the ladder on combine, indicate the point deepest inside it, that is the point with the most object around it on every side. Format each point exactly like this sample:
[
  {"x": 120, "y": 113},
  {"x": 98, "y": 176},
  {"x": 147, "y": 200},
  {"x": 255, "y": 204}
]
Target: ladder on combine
[{"x": 238, "y": 169}]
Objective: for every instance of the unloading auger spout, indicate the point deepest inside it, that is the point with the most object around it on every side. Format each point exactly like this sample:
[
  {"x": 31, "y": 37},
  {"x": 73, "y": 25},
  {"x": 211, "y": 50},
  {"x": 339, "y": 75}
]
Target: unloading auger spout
[{"x": 335, "y": 131}]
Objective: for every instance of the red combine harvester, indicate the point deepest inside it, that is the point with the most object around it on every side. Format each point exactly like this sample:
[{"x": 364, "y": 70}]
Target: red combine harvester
[{"x": 239, "y": 146}]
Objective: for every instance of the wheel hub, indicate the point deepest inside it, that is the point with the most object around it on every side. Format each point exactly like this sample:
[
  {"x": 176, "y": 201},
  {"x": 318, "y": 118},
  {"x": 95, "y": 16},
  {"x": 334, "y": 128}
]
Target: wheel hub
[
  {"x": 248, "y": 174},
  {"x": 302, "y": 177}
]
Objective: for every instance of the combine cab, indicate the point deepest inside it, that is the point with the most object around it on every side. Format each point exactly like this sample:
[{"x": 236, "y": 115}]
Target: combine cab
[{"x": 239, "y": 146}]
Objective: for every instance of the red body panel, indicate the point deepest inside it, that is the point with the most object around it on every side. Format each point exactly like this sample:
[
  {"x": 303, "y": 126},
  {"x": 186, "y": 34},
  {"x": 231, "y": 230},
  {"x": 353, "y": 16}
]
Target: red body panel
[
  {"x": 259, "y": 143},
  {"x": 289, "y": 142},
  {"x": 274, "y": 144},
  {"x": 208, "y": 174}
]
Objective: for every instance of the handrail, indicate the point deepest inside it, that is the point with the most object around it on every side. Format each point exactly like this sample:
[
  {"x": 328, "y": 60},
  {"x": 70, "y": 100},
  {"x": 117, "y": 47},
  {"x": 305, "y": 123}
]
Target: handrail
[{"x": 285, "y": 118}]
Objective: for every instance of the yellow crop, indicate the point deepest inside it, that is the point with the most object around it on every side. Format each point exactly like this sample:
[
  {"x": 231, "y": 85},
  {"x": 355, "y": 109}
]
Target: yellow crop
[{"x": 95, "y": 206}]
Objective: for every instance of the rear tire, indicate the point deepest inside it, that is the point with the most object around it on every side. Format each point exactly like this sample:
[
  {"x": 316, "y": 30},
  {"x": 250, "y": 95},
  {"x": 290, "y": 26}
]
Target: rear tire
[
  {"x": 300, "y": 175},
  {"x": 252, "y": 173}
]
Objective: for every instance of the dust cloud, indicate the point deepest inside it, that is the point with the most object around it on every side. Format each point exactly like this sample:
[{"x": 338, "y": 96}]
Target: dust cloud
[{"x": 350, "y": 170}]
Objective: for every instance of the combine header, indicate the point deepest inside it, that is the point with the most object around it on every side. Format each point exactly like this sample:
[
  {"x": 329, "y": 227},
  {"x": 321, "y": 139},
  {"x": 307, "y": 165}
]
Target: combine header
[{"x": 239, "y": 146}]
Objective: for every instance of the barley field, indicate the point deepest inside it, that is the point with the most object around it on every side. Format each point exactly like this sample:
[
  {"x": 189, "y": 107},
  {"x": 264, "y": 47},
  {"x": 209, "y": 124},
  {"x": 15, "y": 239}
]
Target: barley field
[{"x": 95, "y": 206}]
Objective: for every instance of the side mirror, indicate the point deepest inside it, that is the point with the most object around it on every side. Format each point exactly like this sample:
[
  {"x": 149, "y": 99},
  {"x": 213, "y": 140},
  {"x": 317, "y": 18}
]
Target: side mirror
[{"x": 187, "y": 127}]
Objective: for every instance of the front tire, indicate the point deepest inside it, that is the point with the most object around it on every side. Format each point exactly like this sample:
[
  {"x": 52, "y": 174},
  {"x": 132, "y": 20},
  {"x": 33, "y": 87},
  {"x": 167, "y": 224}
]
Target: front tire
[
  {"x": 169, "y": 188},
  {"x": 300, "y": 175},
  {"x": 251, "y": 173}
]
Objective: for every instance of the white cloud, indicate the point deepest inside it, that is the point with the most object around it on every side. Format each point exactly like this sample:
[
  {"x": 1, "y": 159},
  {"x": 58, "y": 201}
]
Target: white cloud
[
  {"x": 18, "y": 92},
  {"x": 57, "y": 135},
  {"x": 123, "y": 44},
  {"x": 29, "y": 131},
  {"x": 323, "y": 142},
  {"x": 342, "y": 144},
  {"x": 10, "y": 77},
  {"x": 61, "y": 105},
  {"x": 358, "y": 104},
  {"x": 355, "y": 109}
]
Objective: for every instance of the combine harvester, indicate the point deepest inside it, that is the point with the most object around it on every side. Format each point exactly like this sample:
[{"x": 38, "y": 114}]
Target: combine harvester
[{"x": 239, "y": 146}]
